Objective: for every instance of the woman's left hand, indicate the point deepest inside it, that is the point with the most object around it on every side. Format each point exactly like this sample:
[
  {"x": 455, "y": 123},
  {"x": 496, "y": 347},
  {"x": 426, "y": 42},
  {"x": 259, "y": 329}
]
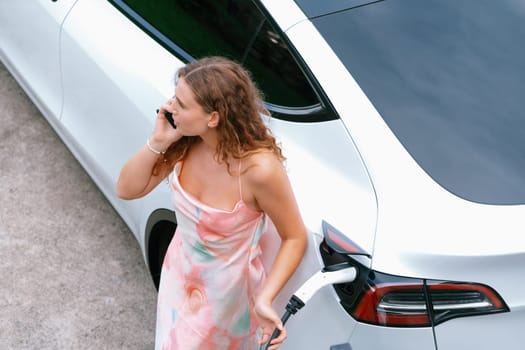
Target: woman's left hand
[{"x": 269, "y": 320}]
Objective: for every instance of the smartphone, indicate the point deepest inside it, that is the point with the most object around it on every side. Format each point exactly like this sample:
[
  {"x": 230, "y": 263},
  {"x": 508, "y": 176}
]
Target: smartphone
[{"x": 169, "y": 118}]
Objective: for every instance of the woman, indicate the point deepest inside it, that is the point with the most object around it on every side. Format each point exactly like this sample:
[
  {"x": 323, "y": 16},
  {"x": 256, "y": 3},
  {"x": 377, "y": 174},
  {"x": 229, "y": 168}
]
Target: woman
[{"x": 228, "y": 178}]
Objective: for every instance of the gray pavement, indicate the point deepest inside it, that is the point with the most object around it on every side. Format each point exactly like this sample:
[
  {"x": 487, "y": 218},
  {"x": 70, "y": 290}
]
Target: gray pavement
[{"x": 71, "y": 273}]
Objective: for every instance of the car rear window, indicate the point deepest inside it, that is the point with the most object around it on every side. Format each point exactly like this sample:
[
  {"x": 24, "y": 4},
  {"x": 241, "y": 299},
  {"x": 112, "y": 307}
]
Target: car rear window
[{"x": 448, "y": 77}]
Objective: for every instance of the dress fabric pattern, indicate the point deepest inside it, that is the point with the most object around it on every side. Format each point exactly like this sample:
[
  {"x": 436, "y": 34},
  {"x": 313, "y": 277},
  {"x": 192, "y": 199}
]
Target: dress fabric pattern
[{"x": 209, "y": 277}]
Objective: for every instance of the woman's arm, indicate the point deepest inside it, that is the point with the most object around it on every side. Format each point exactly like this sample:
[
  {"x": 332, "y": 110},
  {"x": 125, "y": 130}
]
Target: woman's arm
[
  {"x": 273, "y": 193},
  {"x": 136, "y": 178}
]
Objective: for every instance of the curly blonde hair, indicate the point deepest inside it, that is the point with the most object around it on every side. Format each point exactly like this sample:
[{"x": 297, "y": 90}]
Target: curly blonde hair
[{"x": 224, "y": 86}]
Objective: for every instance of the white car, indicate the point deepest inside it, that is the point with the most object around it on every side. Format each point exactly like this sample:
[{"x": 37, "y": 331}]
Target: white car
[{"x": 403, "y": 122}]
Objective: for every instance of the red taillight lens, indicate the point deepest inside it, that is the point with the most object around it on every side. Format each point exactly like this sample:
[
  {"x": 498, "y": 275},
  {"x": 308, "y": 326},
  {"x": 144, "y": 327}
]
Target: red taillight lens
[
  {"x": 450, "y": 300},
  {"x": 393, "y": 305}
]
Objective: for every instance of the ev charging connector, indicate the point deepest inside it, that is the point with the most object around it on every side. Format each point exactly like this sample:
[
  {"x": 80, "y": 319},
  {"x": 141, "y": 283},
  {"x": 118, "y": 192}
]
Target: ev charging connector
[{"x": 333, "y": 274}]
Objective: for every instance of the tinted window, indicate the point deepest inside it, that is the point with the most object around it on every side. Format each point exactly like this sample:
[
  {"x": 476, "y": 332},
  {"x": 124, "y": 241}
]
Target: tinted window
[
  {"x": 235, "y": 29},
  {"x": 449, "y": 79}
]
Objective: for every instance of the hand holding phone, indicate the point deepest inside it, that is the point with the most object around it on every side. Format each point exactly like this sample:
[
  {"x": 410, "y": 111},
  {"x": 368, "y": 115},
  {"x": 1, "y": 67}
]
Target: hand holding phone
[{"x": 169, "y": 118}]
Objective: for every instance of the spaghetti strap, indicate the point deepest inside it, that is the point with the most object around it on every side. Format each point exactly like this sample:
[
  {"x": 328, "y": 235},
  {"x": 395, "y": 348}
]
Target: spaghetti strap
[{"x": 240, "y": 182}]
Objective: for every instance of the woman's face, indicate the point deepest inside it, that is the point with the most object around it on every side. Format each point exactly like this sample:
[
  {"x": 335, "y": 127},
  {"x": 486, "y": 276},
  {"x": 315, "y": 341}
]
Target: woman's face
[{"x": 188, "y": 115}]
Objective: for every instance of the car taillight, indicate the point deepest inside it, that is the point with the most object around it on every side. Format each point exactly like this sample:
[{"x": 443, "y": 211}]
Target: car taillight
[
  {"x": 383, "y": 301},
  {"x": 453, "y": 299},
  {"x": 395, "y": 301}
]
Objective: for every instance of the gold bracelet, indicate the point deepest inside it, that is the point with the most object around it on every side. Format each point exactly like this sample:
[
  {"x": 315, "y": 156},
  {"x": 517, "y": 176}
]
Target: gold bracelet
[{"x": 153, "y": 149}]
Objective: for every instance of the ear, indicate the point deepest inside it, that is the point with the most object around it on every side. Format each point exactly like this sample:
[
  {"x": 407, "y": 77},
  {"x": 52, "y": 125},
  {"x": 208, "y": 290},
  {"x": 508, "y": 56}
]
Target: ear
[{"x": 214, "y": 119}]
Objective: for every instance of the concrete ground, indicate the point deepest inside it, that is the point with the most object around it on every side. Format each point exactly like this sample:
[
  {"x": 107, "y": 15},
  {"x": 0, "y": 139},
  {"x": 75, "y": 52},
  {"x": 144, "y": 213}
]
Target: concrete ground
[{"x": 71, "y": 273}]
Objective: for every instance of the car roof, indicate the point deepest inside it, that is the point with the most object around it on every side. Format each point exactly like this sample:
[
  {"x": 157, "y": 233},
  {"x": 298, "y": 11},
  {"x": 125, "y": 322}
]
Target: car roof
[{"x": 315, "y": 8}]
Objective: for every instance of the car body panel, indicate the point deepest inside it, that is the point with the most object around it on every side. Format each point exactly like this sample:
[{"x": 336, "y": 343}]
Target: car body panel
[
  {"x": 367, "y": 336},
  {"x": 30, "y": 48},
  {"x": 503, "y": 330},
  {"x": 339, "y": 188}
]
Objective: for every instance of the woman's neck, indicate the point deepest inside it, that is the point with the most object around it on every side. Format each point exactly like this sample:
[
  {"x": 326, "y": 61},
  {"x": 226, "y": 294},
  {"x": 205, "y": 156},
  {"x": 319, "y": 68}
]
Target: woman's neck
[{"x": 210, "y": 138}]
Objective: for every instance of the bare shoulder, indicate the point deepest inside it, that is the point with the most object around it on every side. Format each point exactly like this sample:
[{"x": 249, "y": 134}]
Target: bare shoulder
[{"x": 263, "y": 168}]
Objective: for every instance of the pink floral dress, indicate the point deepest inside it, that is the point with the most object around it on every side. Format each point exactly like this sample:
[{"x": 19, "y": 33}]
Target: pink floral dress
[{"x": 211, "y": 272}]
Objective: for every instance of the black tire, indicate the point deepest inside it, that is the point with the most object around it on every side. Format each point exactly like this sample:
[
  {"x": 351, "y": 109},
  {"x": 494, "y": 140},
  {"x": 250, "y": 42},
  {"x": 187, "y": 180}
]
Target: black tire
[{"x": 160, "y": 233}]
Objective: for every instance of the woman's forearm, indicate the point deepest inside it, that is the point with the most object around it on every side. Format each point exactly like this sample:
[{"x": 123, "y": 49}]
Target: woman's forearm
[
  {"x": 136, "y": 178},
  {"x": 286, "y": 262}
]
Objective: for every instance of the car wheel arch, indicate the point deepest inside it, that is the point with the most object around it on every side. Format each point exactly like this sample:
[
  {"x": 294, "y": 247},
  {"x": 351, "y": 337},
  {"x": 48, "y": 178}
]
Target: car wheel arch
[{"x": 159, "y": 231}]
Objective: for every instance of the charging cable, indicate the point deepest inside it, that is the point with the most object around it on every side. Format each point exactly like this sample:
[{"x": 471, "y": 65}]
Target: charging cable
[{"x": 332, "y": 274}]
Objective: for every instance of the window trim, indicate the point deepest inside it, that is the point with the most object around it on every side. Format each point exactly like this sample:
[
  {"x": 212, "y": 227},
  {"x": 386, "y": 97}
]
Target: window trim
[{"x": 322, "y": 111}]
